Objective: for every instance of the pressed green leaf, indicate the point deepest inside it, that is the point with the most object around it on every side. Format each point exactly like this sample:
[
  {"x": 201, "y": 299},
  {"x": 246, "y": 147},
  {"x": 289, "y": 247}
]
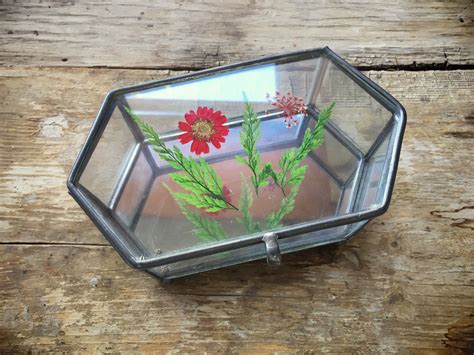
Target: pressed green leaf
[
  {"x": 286, "y": 206},
  {"x": 205, "y": 229},
  {"x": 208, "y": 203},
  {"x": 241, "y": 159},
  {"x": 245, "y": 203},
  {"x": 289, "y": 162},
  {"x": 249, "y": 136}
]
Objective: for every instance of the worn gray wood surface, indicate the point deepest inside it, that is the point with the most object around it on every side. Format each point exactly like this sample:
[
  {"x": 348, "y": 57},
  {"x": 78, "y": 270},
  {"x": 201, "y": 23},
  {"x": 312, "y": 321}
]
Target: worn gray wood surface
[
  {"x": 403, "y": 285},
  {"x": 196, "y": 34}
]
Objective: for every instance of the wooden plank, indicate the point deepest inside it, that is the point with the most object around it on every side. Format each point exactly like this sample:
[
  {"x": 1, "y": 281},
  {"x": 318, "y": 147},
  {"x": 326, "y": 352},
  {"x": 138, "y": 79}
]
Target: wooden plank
[
  {"x": 385, "y": 291},
  {"x": 191, "y": 34},
  {"x": 48, "y": 112},
  {"x": 46, "y": 117}
]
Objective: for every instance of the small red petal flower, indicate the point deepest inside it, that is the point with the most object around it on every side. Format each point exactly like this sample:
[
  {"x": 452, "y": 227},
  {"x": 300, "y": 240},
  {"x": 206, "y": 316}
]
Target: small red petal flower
[
  {"x": 203, "y": 127},
  {"x": 290, "y": 105}
]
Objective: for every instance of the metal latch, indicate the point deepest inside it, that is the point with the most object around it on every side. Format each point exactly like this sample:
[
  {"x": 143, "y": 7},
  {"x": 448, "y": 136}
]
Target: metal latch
[{"x": 273, "y": 249}]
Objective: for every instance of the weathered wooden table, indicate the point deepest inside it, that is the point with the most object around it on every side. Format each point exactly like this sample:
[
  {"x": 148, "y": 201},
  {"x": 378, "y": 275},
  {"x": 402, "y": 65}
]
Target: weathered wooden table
[{"x": 404, "y": 284}]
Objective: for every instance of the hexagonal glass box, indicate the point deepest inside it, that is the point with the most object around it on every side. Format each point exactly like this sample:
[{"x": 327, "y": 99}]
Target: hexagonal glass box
[{"x": 178, "y": 212}]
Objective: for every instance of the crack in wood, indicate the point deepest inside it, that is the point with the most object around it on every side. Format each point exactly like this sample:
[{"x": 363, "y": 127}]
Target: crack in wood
[
  {"x": 461, "y": 217},
  {"x": 414, "y": 67},
  {"x": 57, "y": 244},
  {"x": 461, "y": 335},
  {"x": 461, "y": 135}
]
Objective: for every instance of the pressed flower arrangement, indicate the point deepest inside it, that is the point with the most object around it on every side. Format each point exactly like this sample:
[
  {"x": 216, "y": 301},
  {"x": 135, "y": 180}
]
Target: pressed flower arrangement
[{"x": 204, "y": 190}]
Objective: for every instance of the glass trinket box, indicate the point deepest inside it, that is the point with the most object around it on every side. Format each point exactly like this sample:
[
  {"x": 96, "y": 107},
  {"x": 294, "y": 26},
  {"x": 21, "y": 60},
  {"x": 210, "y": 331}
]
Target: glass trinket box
[{"x": 240, "y": 162}]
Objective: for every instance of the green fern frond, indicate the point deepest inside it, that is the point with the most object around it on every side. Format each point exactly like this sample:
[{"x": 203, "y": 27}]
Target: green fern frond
[
  {"x": 205, "y": 229},
  {"x": 249, "y": 136},
  {"x": 286, "y": 206},
  {"x": 290, "y": 173},
  {"x": 245, "y": 203}
]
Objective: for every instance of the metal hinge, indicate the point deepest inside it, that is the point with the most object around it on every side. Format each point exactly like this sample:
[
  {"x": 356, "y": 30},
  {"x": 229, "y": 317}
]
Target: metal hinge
[{"x": 273, "y": 249}]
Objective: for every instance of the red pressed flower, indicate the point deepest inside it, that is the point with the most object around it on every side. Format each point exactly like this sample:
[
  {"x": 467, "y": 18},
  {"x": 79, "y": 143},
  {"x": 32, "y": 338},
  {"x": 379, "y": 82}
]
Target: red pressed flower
[
  {"x": 203, "y": 127},
  {"x": 290, "y": 105}
]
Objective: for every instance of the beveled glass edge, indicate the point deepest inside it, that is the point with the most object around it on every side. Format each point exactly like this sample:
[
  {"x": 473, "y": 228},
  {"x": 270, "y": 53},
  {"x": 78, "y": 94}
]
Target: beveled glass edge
[{"x": 114, "y": 234}]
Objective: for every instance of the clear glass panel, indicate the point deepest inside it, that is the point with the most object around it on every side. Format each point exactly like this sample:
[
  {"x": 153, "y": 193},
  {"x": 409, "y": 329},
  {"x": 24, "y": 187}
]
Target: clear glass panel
[
  {"x": 337, "y": 158},
  {"x": 374, "y": 176},
  {"x": 109, "y": 158},
  {"x": 134, "y": 190},
  {"x": 357, "y": 114},
  {"x": 348, "y": 197},
  {"x": 161, "y": 224},
  {"x": 164, "y": 106}
]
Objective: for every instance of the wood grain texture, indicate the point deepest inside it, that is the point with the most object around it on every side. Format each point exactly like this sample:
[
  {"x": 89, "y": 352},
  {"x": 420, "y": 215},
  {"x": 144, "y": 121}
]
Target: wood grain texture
[
  {"x": 404, "y": 284},
  {"x": 197, "y": 34},
  {"x": 46, "y": 116},
  {"x": 382, "y": 292}
]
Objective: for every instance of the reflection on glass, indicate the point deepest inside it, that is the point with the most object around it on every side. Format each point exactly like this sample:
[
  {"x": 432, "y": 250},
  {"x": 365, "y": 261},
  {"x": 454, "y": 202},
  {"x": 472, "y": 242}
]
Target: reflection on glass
[{"x": 255, "y": 82}]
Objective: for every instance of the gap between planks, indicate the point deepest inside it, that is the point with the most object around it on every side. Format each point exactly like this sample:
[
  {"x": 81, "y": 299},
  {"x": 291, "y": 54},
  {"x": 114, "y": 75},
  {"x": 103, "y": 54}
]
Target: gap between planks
[
  {"x": 60, "y": 244},
  {"x": 413, "y": 67}
]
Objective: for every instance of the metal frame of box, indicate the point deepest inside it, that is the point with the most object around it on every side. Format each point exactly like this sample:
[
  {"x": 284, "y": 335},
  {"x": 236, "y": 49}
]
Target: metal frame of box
[{"x": 120, "y": 236}]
